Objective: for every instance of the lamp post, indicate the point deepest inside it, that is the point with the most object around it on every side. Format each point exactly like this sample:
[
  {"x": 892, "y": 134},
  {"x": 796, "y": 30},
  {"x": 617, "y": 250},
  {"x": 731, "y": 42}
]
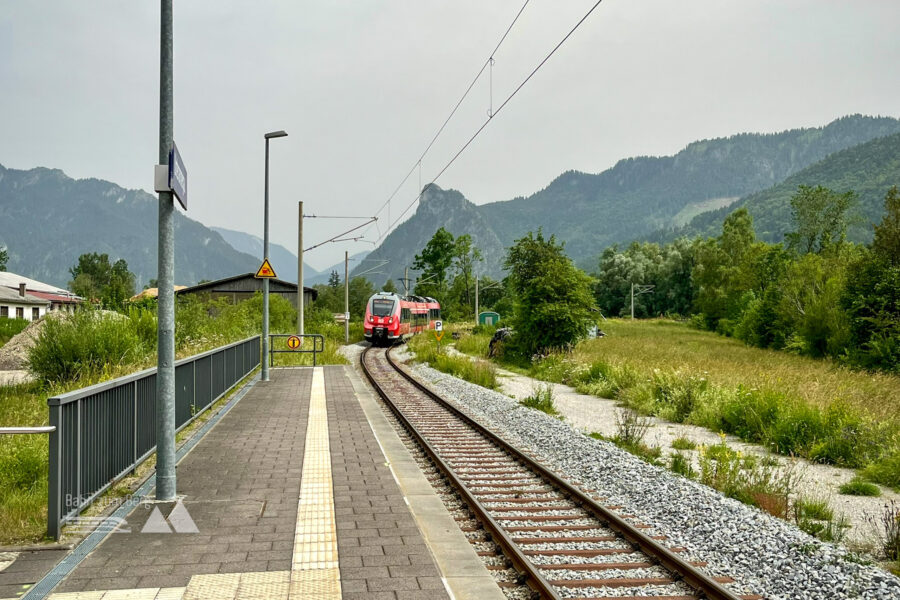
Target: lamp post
[{"x": 265, "y": 318}]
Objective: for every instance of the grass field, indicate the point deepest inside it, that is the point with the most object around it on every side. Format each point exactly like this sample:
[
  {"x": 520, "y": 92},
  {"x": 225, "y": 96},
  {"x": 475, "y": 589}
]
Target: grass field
[{"x": 792, "y": 404}]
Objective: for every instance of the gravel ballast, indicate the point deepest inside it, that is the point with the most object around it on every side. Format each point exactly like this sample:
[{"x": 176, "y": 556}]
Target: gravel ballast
[{"x": 765, "y": 555}]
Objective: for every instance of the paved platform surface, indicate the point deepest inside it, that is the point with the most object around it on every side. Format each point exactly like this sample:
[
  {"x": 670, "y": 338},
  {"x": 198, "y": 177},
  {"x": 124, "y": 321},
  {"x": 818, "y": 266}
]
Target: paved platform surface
[{"x": 300, "y": 444}]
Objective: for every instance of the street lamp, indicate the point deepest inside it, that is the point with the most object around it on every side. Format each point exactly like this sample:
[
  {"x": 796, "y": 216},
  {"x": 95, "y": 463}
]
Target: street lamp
[{"x": 265, "y": 319}]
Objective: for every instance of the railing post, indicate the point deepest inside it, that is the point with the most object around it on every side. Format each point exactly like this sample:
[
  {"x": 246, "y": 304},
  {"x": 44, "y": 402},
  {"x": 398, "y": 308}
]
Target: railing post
[
  {"x": 134, "y": 427},
  {"x": 77, "y": 456},
  {"x": 54, "y": 487}
]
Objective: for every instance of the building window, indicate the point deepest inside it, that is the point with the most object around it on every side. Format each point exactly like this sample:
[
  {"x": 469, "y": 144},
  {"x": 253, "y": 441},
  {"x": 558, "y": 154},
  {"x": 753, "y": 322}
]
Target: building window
[
  {"x": 20, "y": 312},
  {"x": 35, "y": 314},
  {"x": 4, "y": 311}
]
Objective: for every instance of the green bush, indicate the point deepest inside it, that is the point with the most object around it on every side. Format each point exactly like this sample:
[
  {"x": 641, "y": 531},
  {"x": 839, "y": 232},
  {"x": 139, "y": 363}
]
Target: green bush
[
  {"x": 858, "y": 487},
  {"x": 541, "y": 399},
  {"x": 681, "y": 464},
  {"x": 885, "y": 471},
  {"x": 683, "y": 443},
  {"x": 84, "y": 345}
]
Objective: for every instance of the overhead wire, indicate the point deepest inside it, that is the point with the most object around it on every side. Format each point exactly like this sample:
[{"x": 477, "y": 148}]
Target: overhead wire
[
  {"x": 494, "y": 113},
  {"x": 418, "y": 163}
]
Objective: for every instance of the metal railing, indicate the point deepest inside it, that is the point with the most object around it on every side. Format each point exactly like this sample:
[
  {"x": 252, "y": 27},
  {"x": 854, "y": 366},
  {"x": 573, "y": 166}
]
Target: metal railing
[
  {"x": 317, "y": 347},
  {"x": 26, "y": 430},
  {"x": 103, "y": 432}
]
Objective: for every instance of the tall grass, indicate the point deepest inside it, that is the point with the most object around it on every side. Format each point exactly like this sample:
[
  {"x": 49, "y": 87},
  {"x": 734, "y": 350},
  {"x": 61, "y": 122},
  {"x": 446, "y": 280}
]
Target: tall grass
[
  {"x": 479, "y": 372},
  {"x": 793, "y": 405},
  {"x": 11, "y": 327}
]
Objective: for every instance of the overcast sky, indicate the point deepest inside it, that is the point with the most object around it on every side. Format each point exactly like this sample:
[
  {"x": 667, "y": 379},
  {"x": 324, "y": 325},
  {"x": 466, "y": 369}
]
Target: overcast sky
[{"x": 362, "y": 86}]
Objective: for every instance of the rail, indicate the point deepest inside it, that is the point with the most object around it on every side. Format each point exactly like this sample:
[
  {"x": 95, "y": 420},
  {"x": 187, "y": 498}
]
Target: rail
[
  {"x": 706, "y": 586},
  {"x": 103, "y": 432},
  {"x": 315, "y": 350}
]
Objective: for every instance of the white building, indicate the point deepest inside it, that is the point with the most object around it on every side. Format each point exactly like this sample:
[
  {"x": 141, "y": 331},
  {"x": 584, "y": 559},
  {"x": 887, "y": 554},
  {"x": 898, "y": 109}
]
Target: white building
[
  {"x": 18, "y": 304},
  {"x": 57, "y": 298}
]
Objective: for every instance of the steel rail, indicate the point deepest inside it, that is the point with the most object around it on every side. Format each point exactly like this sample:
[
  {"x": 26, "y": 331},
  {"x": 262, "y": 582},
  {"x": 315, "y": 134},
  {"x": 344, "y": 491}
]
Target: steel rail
[
  {"x": 528, "y": 572},
  {"x": 692, "y": 576}
]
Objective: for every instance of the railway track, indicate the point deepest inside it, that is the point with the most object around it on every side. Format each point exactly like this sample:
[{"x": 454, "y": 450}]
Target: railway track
[{"x": 560, "y": 542}]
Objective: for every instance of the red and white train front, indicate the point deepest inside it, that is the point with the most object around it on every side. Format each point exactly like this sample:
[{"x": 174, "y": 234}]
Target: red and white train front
[{"x": 390, "y": 317}]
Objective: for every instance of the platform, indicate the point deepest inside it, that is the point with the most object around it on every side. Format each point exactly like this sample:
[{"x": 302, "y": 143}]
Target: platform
[{"x": 302, "y": 490}]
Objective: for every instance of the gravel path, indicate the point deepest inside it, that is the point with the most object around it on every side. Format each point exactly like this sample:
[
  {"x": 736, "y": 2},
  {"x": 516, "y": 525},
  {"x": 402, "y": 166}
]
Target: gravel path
[{"x": 765, "y": 554}]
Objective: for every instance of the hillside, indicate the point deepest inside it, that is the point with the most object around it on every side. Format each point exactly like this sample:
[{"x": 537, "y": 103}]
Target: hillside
[
  {"x": 869, "y": 169},
  {"x": 283, "y": 260},
  {"x": 48, "y": 219},
  {"x": 637, "y": 197},
  {"x": 438, "y": 208}
]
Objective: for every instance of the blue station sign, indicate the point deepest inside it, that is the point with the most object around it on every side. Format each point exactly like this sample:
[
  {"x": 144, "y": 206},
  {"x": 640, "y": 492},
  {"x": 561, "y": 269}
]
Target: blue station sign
[{"x": 177, "y": 176}]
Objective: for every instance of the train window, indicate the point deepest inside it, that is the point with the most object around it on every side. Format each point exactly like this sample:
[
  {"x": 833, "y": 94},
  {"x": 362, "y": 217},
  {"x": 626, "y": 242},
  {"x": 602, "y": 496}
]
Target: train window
[{"x": 382, "y": 307}]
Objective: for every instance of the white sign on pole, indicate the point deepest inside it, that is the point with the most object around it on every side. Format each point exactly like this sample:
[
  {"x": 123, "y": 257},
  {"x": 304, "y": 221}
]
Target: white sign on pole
[{"x": 438, "y": 325}]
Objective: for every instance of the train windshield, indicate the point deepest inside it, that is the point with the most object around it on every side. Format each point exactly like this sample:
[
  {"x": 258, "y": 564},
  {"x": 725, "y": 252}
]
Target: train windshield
[{"x": 382, "y": 307}]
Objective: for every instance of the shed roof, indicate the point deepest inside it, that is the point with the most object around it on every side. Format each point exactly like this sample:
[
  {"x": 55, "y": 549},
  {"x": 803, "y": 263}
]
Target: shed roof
[{"x": 212, "y": 285}]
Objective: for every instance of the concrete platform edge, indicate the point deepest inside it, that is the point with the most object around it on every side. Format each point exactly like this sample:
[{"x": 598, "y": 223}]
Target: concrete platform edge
[{"x": 465, "y": 575}]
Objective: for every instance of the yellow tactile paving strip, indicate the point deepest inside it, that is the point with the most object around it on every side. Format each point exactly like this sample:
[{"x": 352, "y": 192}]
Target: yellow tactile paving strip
[
  {"x": 314, "y": 573},
  {"x": 314, "y": 570}
]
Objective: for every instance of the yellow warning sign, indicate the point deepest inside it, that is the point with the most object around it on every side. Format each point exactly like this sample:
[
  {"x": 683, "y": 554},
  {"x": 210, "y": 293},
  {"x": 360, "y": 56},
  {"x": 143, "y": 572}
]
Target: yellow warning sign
[
  {"x": 293, "y": 342},
  {"x": 265, "y": 271},
  {"x": 438, "y": 335}
]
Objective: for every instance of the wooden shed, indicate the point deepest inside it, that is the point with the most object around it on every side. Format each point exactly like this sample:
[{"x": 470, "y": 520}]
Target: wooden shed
[{"x": 242, "y": 287}]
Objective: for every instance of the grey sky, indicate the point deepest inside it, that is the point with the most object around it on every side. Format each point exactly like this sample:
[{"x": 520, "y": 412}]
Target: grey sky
[{"x": 362, "y": 86}]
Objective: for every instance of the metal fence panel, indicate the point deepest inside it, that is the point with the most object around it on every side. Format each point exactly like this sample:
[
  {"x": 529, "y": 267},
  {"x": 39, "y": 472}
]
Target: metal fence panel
[{"x": 104, "y": 431}]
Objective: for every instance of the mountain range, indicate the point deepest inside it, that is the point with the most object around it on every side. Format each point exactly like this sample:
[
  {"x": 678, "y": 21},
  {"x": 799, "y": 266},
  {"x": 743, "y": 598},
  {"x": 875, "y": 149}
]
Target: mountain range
[
  {"x": 48, "y": 219},
  {"x": 652, "y": 197}
]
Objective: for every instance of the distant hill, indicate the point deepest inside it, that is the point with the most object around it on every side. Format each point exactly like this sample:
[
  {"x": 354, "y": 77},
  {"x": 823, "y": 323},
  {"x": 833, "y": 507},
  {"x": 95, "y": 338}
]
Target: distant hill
[
  {"x": 283, "y": 260},
  {"x": 635, "y": 199},
  {"x": 869, "y": 169},
  {"x": 47, "y": 220}
]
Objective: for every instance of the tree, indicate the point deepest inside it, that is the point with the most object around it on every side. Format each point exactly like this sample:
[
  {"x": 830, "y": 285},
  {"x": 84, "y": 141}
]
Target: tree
[
  {"x": 465, "y": 257},
  {"x": 435, "y": 261},
  {"x": 887, "y": 233},
  {"x": 4, "y": 258},
  {"x": 95, "y": 279},
  {"x": 820, "y": 218},
  {"x": 389, "y": 286},
  {"x": 334, "y": 280},
  {"x": 553, "y": 302}
]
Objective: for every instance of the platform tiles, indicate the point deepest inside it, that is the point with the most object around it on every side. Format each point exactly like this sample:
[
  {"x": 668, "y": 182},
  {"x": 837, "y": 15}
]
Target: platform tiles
[{"x": 293, "y": 497}]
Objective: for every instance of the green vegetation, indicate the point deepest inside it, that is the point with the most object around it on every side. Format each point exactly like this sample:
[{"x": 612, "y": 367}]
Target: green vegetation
[
  {"x": 819, "y": 296},
  {"x": 93, "y": 346},
  {"x": 671, "y": 370},
  {"x": 4, "y": 258},
  {"x": 683, "y": 443},
  {"x": 331, "y": 296},
  {"x": 10, "y": 328},
  {"x": 479, "y": 372},
  {"x": 859, "y": 487},
  {"x": 95, "y": 279},
  {"x": 681, "y": 464},
  {"x": 541, "y": 399},
  {"x": 552, "y": 298}
]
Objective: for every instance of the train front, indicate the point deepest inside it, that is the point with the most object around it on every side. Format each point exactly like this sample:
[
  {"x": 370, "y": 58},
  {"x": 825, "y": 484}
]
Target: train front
[{"x": 382, "y": 323}]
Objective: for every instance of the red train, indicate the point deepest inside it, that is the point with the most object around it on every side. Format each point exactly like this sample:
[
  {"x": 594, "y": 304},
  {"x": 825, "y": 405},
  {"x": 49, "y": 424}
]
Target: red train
[{"x": 391, "y": 317}]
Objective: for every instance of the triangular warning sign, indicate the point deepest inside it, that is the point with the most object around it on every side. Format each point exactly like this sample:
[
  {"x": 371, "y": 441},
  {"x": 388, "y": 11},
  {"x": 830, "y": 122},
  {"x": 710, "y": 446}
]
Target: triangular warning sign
[{"x": 265, "y": 271}]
